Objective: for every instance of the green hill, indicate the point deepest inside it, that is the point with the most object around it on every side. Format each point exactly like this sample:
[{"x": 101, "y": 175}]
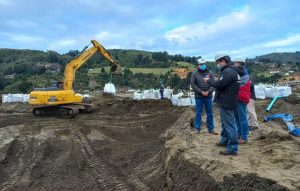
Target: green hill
[{"x": 284, "y": 57}]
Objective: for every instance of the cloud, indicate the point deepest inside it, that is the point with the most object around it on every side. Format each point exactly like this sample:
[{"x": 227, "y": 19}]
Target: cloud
[
  {"x": 204, "y": 30},
  {"x": 62, "y": 44},
  {"x": 284, "y": 42},
  {"x": 23, "y": 39}
]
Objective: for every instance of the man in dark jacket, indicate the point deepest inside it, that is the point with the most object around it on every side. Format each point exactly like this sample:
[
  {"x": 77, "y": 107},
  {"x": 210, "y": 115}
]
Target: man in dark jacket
[
  {"x": 161, "y": 90},
  {"x": 203, "y": 96},
  {"x": 227, "y": 89}
]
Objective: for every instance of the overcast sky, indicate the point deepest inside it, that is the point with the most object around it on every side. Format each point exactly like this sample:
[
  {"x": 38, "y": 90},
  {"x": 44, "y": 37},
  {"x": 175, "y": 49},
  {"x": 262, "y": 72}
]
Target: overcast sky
[{"x": 187, "y": 27}]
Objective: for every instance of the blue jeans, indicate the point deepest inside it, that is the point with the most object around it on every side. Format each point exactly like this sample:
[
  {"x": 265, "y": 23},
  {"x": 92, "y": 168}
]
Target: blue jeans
[
  {"x": 229, "y": 130},
  {"x": 242, "y": 120},
  {"x": 207, "y": 102},
  {"x": 161, "y": 95}
]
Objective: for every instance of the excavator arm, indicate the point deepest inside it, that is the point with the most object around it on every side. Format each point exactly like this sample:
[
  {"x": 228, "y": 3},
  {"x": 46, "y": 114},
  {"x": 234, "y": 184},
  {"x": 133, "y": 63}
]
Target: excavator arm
[{"x": 74, "y": 65}]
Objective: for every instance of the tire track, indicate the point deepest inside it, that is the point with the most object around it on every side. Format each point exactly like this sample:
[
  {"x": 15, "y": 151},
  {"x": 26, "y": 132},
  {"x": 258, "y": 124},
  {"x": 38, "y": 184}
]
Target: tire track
[{"x": 102, "y": 172}]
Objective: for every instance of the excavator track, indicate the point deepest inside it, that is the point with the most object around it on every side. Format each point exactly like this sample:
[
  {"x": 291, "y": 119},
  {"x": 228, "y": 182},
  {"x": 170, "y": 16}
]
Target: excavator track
[{"x": 64, "y": 111}]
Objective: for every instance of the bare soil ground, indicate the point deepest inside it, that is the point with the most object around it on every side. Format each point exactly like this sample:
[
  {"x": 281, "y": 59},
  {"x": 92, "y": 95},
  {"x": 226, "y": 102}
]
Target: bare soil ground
[
  {"x": 269, "y": 161},
  {"x": 137, "y": 145},
  {"x": 118, "y": 147}
]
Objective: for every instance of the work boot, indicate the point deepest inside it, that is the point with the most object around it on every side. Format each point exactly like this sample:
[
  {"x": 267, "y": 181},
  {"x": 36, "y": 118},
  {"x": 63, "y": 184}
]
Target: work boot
[
  {"x": 213, "y": 132},
  {"x": 241, "y": 141},
  {"x": 251, "y": 128},
  {"x": 219, "y": 144},
  {"x": 227, "y": 153}
]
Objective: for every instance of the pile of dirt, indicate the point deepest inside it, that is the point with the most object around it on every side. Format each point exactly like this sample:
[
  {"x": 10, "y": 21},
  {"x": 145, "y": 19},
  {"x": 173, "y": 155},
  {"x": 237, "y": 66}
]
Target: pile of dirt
[{"x": 271, "y": 157}]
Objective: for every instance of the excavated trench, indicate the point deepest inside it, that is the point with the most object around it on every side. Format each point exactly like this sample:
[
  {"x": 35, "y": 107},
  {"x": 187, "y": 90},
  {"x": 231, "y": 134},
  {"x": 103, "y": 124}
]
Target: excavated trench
[{"x": 121, "y": 146}]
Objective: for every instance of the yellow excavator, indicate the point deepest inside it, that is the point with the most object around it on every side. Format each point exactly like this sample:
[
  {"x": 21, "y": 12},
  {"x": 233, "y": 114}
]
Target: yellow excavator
[{"x": 61, "y": 100}]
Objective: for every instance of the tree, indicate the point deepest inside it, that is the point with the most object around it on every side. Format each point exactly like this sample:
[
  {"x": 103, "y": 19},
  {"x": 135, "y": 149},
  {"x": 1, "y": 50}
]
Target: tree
[
  {"x": 53, "y": 56},
  {"x": 25, "y": 86},
  {"x": 139, "y": 59}
]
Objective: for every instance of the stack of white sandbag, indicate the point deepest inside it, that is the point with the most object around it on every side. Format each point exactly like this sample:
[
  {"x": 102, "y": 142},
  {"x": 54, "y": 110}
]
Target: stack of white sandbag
[
  {"x": 15, "y": 98},
  {"x": 263, "y": 91},
  {"x": 151, "y": 94}
]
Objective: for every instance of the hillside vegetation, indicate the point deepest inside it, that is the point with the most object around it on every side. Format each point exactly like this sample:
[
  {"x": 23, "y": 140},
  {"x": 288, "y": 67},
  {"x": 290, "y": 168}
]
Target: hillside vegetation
[{"x": 22, "y": 70}]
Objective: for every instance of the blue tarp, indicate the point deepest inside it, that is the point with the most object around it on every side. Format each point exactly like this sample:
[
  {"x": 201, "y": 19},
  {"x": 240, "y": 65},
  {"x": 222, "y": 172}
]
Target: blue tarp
[{"x": 287, "y": 118}]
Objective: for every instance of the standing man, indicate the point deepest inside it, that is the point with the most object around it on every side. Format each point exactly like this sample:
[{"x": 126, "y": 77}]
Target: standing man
[
  {"x": 227, "y": 89},
  {"x": 243, "y": 99},
  {"x": 203, "y": 96},
  {"x": 161, "y": 90}
]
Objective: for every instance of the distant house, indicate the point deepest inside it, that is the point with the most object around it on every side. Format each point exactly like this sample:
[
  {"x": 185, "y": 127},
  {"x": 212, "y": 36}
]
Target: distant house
[
  {"x": 52, "y": 68},
  {"x": 274, "y": 71},
  {"x": 181, "y": 72},
  {"x": 10, "y": 77}
]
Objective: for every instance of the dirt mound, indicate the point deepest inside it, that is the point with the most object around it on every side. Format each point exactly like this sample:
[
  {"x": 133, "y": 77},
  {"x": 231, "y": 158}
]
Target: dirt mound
[
  {"x": 271, "y": 157},
  {"x": 117, "y": 147}
]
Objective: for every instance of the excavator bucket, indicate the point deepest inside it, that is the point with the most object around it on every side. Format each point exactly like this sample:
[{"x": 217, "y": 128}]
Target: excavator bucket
[{"x": 116, "y": 69}]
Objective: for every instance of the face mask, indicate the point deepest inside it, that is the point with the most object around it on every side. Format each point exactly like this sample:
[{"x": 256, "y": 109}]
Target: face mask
[
  {"x": 202, "y": 67},
  {"x": 219, "y": 67}
]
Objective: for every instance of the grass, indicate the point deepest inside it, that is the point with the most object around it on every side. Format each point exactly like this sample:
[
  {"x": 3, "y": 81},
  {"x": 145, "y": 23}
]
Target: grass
[
  {"x": 185, "y": 64},
  {"x": 157, "y": 71}
]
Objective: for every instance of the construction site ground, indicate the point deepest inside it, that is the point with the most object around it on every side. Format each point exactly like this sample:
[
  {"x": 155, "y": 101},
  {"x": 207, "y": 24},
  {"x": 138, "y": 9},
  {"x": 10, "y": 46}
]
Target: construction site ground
[{"x": 142, "y": 145}]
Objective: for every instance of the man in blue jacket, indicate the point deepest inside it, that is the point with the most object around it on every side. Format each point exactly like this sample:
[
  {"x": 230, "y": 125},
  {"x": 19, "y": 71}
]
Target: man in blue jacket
[
  {"x": 203, "y": 96},
  {"x": 227, "y": 89}
]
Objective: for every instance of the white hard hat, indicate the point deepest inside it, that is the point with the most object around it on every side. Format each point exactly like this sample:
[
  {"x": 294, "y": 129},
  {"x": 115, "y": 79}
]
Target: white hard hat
[
  {"x": 220, "y": 55},
  {"x": 200, "y": 61},
  {"x": 242, "y": 60}
]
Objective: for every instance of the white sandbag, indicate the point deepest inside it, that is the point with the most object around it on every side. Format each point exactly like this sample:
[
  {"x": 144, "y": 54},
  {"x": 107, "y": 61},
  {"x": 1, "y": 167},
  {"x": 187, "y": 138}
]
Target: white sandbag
[
  {"x": 260, "y": 91},
  {"x": 184, "y": 101},
  {"x": 193, "y": 101},
  {"x": 138, "y": 95},
  {"x": 150, "y": 94},
  {"x": 284, "y": 91},
  {"x": 25, "y": 98},
  {"x": 168, "y": 93},
  {"x": 174, "y": 98},
  {"x": 17, "y": 98},
  {"x": 6, "y": 98},
  {"x": 109, "y": 88},
  {"x": 270, "y": 91}
]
